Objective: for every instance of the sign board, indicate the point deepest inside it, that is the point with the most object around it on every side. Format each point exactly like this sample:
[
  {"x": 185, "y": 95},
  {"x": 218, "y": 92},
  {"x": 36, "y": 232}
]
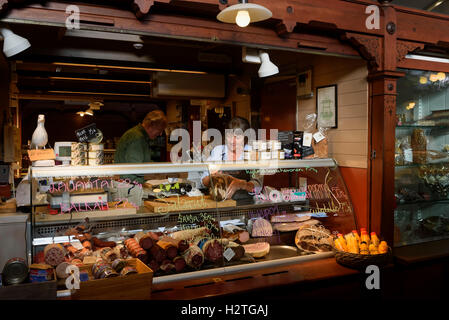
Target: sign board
[
  {"x": 86, "y": 133},
  {"x": 41, "y": 154}
]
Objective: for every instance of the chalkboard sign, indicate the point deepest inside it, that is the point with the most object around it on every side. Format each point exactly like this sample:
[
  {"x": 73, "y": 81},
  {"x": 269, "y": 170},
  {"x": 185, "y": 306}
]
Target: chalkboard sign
[{"x": 86, "y": 133}]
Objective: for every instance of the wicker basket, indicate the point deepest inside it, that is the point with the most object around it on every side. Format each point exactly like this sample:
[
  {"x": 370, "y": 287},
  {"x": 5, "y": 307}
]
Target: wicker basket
[{"x": 361, "y": 261}]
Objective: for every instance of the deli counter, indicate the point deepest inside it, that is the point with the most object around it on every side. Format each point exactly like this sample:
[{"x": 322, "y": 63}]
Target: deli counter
[{"x": 183, "y": 230}]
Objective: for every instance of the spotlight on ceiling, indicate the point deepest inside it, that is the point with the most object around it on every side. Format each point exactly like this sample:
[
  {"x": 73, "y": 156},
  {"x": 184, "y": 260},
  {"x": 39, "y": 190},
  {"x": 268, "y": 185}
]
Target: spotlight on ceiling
[
  {"x": 267, "y": 68},
  {"x": 12, "y": 43},
  {"x": 244, "y": 13}
]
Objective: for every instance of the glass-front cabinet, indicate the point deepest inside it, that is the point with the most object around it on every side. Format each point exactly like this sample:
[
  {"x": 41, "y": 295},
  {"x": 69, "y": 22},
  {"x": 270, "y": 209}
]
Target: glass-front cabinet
[
  {"x": 422, "y": 158},
  {"x": 192, "y": 219}
]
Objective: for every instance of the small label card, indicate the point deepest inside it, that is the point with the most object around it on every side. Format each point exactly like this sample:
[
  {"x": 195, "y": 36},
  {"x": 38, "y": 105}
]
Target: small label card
[
  {"x": 307, "y": 141},
  {"x": 41, "y": 154},
  {"x": 229, "y": 254},
  {"x": 318, "y": 136}
]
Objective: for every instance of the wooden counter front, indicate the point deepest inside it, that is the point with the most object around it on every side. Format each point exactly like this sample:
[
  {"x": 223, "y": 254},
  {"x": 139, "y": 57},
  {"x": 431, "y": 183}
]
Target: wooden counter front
[{"x": 226, "y": 285}]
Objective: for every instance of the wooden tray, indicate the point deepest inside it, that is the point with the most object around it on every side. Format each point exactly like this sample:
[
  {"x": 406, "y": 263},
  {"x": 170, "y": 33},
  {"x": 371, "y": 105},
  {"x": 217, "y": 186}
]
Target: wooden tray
[
  {"x": 8, "y": 207},
  {"x": 30, "y": 291},
  {"x": 132, "y": 287},
  {"x": 186, "y": 203}
]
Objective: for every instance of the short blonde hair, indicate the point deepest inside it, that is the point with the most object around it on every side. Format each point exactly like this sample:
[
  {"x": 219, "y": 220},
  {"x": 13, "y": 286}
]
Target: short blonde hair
[{"x": 156, "y": 119}]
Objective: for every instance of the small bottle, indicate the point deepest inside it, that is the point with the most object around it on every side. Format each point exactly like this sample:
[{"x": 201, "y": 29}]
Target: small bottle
[
  {"x": 364, "y": 237},
  {"x": 373, "y": 249},
  {"x": 374, "y": 239},
  {"x": 383, "y": 247},
  {"x": 338, "y": 244},
  {"x": 353, "y": 245},
  {"x": 355, "y": 233},
  {"x": 362, "y": 229},
  {"x": 364, "y": 248},
  {"x": 342, "y": 242}
]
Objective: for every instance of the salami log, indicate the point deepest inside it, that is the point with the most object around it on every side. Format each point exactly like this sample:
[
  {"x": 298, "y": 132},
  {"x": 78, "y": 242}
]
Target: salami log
[
  {"x": 189, "y": 234},
  {"x": 194, "y": 257},
  {"x": 135, "y": 249},
  {"x": 183, "y": 245},
  {"x": 54, "y": 254},
  {"x": 60, "y": 270},
  {"x": 154, "y": 265},
  {"x": 144, "y": 240},
  {"x": 179, "y": 263},
  {"x": 102, "y": 244},
  {"x": 158, "y": 253},
  {"x": 167, "y": 266},
  {"x": 121, "y": 251},
  {"x": 170, "y": 246},
  {"x": 238, "y": 250},
  {"x": 212, "y": 249}
]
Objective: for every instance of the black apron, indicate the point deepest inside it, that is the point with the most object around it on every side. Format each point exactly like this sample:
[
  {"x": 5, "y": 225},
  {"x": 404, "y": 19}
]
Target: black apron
[{"x": 241, "y": 196}]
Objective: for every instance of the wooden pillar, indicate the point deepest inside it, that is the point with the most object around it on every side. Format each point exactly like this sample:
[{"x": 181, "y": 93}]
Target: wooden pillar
[{"x": 383, "y": 123}]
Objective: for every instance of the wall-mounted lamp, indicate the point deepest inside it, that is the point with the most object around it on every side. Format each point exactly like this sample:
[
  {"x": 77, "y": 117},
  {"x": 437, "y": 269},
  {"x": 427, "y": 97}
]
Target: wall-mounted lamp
[
  {"x": 244, "y": 13},
  {"x": 267, "y": 68},
  {"x": 12, "y": 43}
]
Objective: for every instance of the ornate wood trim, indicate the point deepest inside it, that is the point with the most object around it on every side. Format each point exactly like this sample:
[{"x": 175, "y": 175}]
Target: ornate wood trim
[
  {"x": 139, "y": 7},
  {"x": 405, "y": 47},
  {"x": 370, "y": 48}
]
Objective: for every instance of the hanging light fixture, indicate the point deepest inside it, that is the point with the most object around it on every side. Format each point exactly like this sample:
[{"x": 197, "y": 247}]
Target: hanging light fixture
[
  {"x": 12, "y": 43},
  {"x": 244, "y": 13},
  {"x": 267, "y": 68}
]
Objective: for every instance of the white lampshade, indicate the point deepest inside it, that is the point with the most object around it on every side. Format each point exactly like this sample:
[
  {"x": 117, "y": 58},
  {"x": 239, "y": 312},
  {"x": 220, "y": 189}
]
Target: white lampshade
[
  {"x": 267, "y": 67},
  {"x": 256, "y": 13},
  {"x": 12, "y": 43}
]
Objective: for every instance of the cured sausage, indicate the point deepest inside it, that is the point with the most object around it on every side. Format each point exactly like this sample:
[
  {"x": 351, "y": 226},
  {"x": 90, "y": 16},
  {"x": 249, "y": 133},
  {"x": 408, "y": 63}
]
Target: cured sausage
[
  {"x": 180, "y": 263},
  {"x": 158, "y": 253},
  {"x": 154, "y": 265},
  {"x": 135, "y": 249},
  {"x": 194, "y": 257},
  {"x": 102, "y": 244},
  {"x": 54, "y": 254},
  {"x": 212, "y": 249}
]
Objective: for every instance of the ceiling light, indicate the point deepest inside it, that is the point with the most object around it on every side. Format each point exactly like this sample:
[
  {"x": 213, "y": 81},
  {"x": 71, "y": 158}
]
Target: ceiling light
[
  {"x": 89, "y": 112},
  {"x": 243, "y": 19},
  {"x": 244, "y": 13},
  {"x": 12, "y": 43},
  {"x": 433, "y": 77},
  {"x": 267, "y": 67},
  {"x": 441, "y": 76},
  {"x": 81, "y": 113}
]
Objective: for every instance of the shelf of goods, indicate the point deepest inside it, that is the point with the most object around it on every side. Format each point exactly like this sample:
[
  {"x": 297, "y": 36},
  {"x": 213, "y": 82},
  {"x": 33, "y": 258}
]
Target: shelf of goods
[{"x": 183, "y": 229}]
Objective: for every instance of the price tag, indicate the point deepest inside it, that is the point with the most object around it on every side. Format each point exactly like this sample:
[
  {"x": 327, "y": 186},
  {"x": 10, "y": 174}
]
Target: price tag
[
  {"x": 77, "y": 245},
  {"x": 408, "y": 155},
  {"x": 73, "y": 280},
  {"x": 41, "y": 154},
  {"x": 307, "y": 140},
  {"x": 229, "y": 254},
  {"x": 318, "y": 136},
  {"x": 86, "y": 133}
]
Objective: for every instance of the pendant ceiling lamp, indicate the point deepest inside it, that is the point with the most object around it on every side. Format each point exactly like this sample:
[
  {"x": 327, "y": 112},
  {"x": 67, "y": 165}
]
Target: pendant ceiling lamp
[{"x": 244, "y": 13}]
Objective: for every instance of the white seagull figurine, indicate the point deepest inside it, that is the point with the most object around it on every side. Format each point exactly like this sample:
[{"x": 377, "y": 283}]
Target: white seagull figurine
[{"x": 40, "y": 136}]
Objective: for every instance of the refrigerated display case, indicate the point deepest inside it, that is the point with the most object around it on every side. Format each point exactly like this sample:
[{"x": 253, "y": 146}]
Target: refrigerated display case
[
  {"x": 291, "y": 214},
  {"x": 422, "y": 158}
]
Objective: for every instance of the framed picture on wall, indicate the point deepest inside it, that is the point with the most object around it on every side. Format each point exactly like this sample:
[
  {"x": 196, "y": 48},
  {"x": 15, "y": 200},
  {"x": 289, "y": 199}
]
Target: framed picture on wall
[
  {"x": 326, "y": 104},
  {"x": 304, "y": 84}
]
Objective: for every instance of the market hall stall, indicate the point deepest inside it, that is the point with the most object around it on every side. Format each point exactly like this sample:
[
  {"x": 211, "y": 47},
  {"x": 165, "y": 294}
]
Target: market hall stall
[{"x": 383, "y": 51}]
